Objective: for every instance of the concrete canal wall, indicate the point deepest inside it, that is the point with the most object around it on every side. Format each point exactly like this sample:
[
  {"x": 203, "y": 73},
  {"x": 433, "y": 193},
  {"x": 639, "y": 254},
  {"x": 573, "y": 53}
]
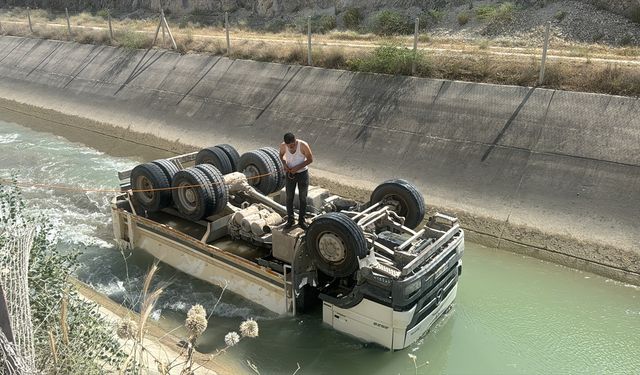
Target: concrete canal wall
[{"x": 549, "y": 173}]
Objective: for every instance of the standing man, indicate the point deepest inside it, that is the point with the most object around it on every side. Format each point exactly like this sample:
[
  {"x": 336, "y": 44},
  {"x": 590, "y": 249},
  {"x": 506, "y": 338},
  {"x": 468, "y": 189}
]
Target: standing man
[{"x": 296, "y": 155}]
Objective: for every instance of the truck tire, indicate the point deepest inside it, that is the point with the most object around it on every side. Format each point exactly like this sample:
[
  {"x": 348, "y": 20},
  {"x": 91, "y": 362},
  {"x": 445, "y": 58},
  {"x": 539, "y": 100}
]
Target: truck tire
[
  {"x": 406, "y": 199},
  {"x": 335, "y": 242},
  {"x": 275, "y": 158},
  {"x": 220, "y": 189},
  {"x": 193, "y": 194},
  {"x": 216, "y": 157},
  {"x": 258, "y": 163},
  {"x": 168, "y": 168},
  {"x": 232, "y": 154},
  {"x": 145, "y": 178}
]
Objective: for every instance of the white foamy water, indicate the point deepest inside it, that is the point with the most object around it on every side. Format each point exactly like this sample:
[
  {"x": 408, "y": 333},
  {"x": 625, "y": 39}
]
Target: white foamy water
[{"x": 8, "y": 138}]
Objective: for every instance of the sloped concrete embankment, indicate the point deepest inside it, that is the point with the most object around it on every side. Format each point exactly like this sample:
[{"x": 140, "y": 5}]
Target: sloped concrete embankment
[{"x": 549, "y": 173}]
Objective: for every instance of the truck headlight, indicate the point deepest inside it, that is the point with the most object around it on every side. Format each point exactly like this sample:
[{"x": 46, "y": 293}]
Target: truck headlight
[{"x": 412, "y": 288}]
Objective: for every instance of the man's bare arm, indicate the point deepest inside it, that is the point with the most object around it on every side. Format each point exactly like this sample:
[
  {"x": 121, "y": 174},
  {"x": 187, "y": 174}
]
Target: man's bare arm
[
  {"x": 306, "y": 151},
  {"x": 283, "y": 149}
]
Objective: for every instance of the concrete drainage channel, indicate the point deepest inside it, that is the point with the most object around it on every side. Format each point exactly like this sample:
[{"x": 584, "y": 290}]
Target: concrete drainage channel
[{"x": 551, "y": 174}]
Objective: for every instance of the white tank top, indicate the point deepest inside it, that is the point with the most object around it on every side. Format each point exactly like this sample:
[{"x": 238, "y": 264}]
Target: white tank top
[{"x": 295, "y": 158}]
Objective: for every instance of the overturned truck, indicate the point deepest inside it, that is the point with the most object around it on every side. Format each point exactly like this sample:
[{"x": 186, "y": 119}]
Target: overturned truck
[{"x": 378, "y": 274}]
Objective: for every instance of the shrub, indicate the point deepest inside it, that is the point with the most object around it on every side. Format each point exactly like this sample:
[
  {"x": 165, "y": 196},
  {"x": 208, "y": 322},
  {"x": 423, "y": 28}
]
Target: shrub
[
  {"x": 626, "y": 40},
  {"x": 496, "y": 13},
  {"x": 324, "y": 24},
  {"x": 267, "y": 54},
  {"x": 331, "y": 58},
  {"x": 133, "y": 40},
  {"x": 437, "y": 15},
  {"x": 601, "y": 5},
  {"x": 560, "y": 15},
  {"x": 295, "y": 55},
  {"x": 104, "y": 13},
  {"x": 92, "y": 37},
  {"x": 505, "y": 11},
  {"x": 614, "y": 80},
  {"x": 275, "y": 26},
  {"x": 634, "y": 15},
  {"x": 389, "y": 22},
  {"x": 391, "y": 59},
  {"x": 485, "y": 12},
  {"x": 85, "y": 341},
  {"x": 184, "y": 22},
  {"x": 463, "y": 18},
  {"x": 352, "y": 18},
  {"x": 319, "y": 24},
  {"x": 598, "y": 36}
]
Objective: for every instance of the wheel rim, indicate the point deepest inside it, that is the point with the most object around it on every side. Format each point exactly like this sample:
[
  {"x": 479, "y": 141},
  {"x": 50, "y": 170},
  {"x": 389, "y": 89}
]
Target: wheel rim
[
  {"x": 332, "y": 248},
  {"x": 399, "y": 205},
  {"x": 252, "y": 171},
  {"x": 147, "y": 195},
  {"x": 187, "y": 196}
]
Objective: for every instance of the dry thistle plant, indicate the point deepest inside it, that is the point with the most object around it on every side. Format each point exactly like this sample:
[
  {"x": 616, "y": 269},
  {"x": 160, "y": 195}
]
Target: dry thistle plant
[
  {"x": 196, "y": 321},
  {"x": 249, "y": 328},
  {"x": 231, "y": 338},
  {"x": 127, "y": 329}
]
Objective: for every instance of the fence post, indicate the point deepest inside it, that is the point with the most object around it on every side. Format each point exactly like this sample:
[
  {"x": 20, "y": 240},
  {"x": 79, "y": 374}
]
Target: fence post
[
  {"x": 29, "y": 18},
  {"x": 415, "y": 46},
  {"x": 544, "y": 53},
  {"x": 226, "y": 30},
  {"x": 110, "y": 29},
  {"x": 166, "y": 25},
  {"x": 309, "y": 58},
  {"x": 163, "y": 37},
  {"x": 66, "y": 12}
]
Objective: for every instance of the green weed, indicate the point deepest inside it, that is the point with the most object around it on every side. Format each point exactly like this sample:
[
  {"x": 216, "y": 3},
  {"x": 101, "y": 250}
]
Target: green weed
[
  {"x": 352, "y": 18},
  {"x": 389, "y": 22},
  {"x": 133, "y": 40},
  {"x": 463, "y": 18},
  {"x": 391, "y": 59}
]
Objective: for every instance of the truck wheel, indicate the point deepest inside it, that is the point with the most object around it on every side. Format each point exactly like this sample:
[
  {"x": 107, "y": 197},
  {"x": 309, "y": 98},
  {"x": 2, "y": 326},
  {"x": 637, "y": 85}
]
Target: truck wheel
[
  {"x": 216, "y": 157},
  {"x": 146, "y": 178},
  {"x": 168, "y": 168},
  {"x": 220, "y": 189},
  {"x": 404, "y": 197},
  {"x": 261, "y": 172},
  {"x": 275, "y": 158},
  {"x": 232, "y": 154},
  {"x": 336, "y": 243},
  {"x": 193, "y": 194}
]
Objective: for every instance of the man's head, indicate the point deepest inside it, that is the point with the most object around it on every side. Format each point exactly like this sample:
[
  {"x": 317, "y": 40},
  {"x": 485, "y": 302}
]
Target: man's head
[{"x": 290, "y": 141}]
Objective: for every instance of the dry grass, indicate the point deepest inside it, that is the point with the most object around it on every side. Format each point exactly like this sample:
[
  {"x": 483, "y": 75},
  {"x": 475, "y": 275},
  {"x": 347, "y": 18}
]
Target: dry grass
[{"x": 475, "y": 61}]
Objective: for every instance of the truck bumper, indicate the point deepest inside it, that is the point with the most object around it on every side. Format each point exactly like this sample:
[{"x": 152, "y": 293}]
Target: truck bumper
[{"x": 376, "y": 323}]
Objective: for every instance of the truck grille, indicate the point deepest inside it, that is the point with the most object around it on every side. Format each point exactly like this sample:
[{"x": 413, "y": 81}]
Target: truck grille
[{"x": 430, "y": 301}]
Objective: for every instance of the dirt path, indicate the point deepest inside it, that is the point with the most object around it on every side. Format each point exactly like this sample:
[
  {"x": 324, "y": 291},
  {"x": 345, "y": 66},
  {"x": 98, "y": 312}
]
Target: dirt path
[{"x": 434, "y": 45}]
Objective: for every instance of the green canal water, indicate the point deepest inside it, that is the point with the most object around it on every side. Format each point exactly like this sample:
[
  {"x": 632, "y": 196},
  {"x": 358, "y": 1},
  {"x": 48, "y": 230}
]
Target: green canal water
[{"x": 513, "y": 314}]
